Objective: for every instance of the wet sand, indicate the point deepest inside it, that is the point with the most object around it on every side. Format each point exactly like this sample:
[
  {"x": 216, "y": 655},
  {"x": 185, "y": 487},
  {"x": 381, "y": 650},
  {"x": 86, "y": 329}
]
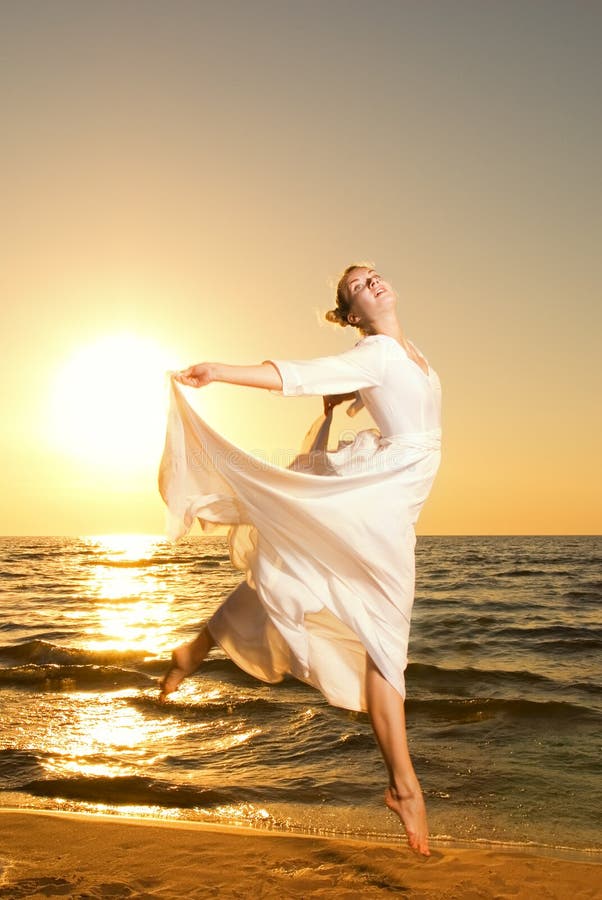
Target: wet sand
[{"x": 54, "y": 854}]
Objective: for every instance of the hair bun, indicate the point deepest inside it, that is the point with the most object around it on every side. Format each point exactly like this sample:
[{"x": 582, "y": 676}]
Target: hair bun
[{"x": 335, "y": 315}]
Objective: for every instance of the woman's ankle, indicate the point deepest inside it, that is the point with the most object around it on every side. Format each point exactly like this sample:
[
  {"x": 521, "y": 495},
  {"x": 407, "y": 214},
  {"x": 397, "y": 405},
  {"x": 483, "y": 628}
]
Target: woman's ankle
[{"x": 404, "y": 787}]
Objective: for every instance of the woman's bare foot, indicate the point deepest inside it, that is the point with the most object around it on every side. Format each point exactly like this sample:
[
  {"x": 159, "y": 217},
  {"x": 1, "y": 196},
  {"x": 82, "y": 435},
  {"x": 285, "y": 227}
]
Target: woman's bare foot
[
  {"x": 410, "y": 808},
  {"x": 185, "y": 660},
  {"x": 183, "y": 663}
]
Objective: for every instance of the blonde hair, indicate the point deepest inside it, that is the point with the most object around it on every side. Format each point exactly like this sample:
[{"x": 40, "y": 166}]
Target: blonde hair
[{"x": 343, "y": 301}]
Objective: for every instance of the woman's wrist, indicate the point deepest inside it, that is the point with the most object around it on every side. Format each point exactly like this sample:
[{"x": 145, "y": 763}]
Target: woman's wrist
[{"x": 216, "y": 372}]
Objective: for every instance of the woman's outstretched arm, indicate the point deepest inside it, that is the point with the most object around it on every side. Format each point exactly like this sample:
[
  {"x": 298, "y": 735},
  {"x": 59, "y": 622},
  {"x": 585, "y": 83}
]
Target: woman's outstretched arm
[
  {"x": 264, "y": 375},
  {"x": 362, "y": 366}
]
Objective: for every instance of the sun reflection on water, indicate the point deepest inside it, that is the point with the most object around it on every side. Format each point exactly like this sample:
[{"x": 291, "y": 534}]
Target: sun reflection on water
[
  {"x": 239, "y": 814},
  {"x": 130, "y": 547},
  {"x": 103, "y": 738},
  {"x": 227, "y": 741},
  {"x": 133, "y": 604}
]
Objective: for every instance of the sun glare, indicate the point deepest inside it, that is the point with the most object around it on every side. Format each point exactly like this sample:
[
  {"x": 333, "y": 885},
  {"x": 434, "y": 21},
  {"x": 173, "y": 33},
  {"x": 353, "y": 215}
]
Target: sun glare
[{"x": 108, "y": 403}]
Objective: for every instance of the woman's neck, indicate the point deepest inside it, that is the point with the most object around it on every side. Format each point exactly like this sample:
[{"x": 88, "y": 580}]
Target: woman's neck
[{"x": 392, "y": 329}]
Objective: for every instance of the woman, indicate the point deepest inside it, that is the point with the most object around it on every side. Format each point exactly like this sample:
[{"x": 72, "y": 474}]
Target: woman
[{"x": 329, "y": 561}]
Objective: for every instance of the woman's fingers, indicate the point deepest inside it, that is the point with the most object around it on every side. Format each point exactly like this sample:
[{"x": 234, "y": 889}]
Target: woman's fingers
[
  {"x": 183, "y": 378},
  {"x": 190, "y": 380},
  {"x": 194, "y": 376},
  {"x": 186, "y": 373}
]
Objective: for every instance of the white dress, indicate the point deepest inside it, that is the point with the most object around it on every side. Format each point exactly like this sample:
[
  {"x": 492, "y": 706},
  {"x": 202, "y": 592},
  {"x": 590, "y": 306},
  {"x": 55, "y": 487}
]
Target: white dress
[{"x": 326, "y": 544}]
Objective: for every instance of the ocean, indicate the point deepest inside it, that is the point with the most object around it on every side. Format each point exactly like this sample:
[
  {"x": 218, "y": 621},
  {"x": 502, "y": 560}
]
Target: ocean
[{"x": 504, "y": 695}]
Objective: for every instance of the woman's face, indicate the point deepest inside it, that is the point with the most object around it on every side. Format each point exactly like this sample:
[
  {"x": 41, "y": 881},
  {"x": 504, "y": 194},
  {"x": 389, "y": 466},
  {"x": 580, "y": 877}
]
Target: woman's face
[{"x": 369, "y": 293}]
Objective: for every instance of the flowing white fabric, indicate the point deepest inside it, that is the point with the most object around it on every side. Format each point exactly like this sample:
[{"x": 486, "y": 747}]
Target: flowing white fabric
[{"x": 327, "y": 544}]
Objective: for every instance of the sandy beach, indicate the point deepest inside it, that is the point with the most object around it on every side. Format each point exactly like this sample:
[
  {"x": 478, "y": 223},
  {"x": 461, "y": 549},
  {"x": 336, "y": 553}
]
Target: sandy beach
[{"x": 53, "y": 854}]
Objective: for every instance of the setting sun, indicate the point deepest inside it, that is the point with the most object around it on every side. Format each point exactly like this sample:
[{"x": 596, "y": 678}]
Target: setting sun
[{"x": 107, "y": 403}]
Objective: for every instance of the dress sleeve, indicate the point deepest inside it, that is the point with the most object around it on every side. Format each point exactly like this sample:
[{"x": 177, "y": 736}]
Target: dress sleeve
[{"x": 359, "y": 367}]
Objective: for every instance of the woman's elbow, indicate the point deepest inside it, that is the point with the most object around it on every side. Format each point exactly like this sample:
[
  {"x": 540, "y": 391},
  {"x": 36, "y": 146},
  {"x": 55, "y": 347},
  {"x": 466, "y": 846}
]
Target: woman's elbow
[{"x": 274, "y": 378}]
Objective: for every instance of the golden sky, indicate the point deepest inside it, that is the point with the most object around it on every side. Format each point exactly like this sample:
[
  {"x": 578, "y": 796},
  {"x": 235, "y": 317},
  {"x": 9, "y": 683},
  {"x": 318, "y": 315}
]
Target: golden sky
[{"x": 184, "y": 181}]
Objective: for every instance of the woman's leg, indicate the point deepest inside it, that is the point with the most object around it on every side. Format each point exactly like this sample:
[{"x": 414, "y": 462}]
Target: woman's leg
[
  {"x": 185, "y": 660},
  {"x": 404, "y": 795},
  {"x": 244, "y": 632}
]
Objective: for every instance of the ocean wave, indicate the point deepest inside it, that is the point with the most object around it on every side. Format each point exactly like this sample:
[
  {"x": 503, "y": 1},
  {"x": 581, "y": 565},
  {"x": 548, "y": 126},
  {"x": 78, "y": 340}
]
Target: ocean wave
[
  {"x": 575, "y": 634},
  {"x": 130, "y": 789},
  {"x": 518, "y": 573},
  {"x": 566, "y": 647},
  {"x": 39, "y": 652},
  {"x": 467, "y": 679},
  {"x": 130, "y": 563},
  {"x": 65, "y": 678},
  {"x": 357, "y": 740},
  {"x": 42, "y": 653},
  {"x": 43, "y": 664},
  {"x": 252, "y": 708},
  {"x": 18, "y": 766},
  {"x": 478, "y": 709},
  {"x": 453, "y": 709},
  {"x": 210, "y": 559},
  {"x": 37, "y": 554},
  {"x": 589, "y": 594},
  {"x": 142, "y": 791}
]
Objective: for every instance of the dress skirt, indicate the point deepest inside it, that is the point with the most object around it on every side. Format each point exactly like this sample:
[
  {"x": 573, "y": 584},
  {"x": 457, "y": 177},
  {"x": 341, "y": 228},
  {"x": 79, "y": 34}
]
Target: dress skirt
[{"x": 326, "y": 546}]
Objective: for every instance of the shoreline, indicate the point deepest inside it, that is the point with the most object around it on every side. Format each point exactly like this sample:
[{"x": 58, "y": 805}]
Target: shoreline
[
  {"x": 438, "y": 842},
  {"x": 55, "y": 853},
  {"x": 572, "y": 854}
]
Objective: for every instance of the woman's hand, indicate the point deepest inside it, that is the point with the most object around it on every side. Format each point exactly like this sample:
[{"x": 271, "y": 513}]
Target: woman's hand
[
  {"x": 265, "y": 375},
  {"x": 332, "y": 400},
  {"x": 196, "y": 376}
]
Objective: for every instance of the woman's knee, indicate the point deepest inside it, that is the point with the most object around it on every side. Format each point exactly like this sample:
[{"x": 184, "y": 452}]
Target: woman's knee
[
  {"x": 209, "y": 636},
  {"x": 372, "y": 670}
]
